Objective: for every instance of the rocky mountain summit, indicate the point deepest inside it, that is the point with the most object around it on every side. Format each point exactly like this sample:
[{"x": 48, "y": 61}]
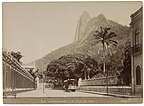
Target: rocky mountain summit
[{"x": 86, "y": 25}]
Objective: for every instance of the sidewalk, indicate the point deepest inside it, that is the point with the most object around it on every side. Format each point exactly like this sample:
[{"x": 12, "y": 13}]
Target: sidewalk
[
  {"x": 109, "y": 94},
  {"x": 33, "y": 93},
  {"x": 56, "y": 93}
]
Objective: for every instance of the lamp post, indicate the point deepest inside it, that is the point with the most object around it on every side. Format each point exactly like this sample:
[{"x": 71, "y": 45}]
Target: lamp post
[
  {"x": 43, "y": 83},
  {"x": 14, "y": 83},
  {"x": 107, "y": 81},
  {"x": 85, "y": 71}
]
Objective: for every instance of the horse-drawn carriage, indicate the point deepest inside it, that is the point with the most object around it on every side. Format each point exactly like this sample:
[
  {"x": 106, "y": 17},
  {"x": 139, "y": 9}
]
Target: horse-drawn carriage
[{"x": 70, "y": 85}]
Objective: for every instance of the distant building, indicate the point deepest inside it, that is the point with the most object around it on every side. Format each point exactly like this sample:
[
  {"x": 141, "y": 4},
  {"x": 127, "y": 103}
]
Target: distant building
[
  {"x": 137, "y": 56},
  {"x": 32, "y": 69}
]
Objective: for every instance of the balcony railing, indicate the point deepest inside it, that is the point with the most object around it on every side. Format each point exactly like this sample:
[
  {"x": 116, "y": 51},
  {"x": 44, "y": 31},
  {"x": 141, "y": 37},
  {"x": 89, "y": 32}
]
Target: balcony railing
[{"x": 137, "y": 49}]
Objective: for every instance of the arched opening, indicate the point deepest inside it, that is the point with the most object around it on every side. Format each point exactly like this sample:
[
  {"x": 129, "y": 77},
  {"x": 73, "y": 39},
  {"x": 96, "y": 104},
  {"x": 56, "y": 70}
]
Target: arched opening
[{"x": 138, "y": 75}]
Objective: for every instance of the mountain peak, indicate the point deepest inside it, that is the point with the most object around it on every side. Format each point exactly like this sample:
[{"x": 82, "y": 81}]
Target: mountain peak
[
  {"x": 84, "y": 19},
  {"x": 101, "y": 17},
  {"x": 85, "y": 14}
]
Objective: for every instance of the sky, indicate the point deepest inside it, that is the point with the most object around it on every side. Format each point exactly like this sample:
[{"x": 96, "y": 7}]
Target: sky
[{"x": 36, "y": 29}]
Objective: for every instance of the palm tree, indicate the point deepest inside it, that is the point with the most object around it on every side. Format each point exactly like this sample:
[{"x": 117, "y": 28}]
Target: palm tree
[{"x": 105, "y": 38}]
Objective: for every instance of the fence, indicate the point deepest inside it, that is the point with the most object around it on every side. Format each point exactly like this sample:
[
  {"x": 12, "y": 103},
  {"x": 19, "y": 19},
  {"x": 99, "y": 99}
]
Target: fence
[{"x": 15, "y": 77}]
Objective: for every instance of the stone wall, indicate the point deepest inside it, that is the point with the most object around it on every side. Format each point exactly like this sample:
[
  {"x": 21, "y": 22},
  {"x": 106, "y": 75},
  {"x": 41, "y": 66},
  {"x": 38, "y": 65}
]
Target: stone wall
[
  {"x": 101, "y": 84},
  {"x": 111, "y": 80},
  {"x": 123, "y": 90}
]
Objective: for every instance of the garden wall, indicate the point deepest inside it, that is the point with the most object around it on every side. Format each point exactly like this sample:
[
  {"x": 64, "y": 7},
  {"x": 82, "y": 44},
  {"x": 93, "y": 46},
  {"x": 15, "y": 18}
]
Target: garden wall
[
  {"x": 100, "y": 85},
  {"x": 112, "y": 80}
]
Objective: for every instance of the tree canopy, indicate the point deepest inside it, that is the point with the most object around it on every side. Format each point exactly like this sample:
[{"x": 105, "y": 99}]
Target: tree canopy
[
  {"x": 16, "y": 55},
  {"x": 72, "y": 66},
  {"x": 125, "y": 75}
]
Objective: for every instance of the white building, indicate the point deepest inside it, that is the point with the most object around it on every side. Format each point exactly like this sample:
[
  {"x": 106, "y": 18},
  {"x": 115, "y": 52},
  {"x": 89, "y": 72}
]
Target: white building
[{"x": 137, "y": 55}]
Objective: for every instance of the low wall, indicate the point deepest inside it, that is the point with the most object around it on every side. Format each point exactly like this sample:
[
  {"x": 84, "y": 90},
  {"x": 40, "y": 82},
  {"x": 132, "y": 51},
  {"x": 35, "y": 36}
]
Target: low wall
[
  {"x": 123, "y": 90},
  {"x": 139, "y": 90},
  {"x": 100, "y": 85},
  {"x": 112, "y": 80}
]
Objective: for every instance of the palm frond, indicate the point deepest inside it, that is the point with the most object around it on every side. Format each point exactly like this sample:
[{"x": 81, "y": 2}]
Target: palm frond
[
  {"x": 108, "y": 28},
  {"x": 97, "y": 36},
  {"x": 107, "y": 42},
  {"x": 105, "y": 38},
  {"x": 110, "y": 35},
  {"x": 106, "y": 31},
  {"x": 99, "y": 33},
  {"x": 113, "y": 42},
  {"x": 96, "y": 42}
]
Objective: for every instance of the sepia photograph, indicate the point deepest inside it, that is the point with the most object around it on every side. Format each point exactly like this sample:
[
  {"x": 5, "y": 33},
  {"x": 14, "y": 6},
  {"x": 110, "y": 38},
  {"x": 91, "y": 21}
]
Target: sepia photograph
[{"x": 86, "y": 52}]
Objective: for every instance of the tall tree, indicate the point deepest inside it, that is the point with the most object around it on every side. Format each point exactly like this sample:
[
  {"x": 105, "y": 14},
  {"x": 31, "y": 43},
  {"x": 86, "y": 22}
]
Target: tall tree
[
  {"x": 125, "y": 75},
  {"x": 105, "y": 38},
  {"x": 72, "y": 66}
]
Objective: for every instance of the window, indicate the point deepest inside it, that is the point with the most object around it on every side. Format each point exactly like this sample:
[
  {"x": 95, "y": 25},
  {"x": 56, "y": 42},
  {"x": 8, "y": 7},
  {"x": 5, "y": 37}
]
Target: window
[
  {"x": 137, "y": 37},
  {"x": 138, "y": 75}
]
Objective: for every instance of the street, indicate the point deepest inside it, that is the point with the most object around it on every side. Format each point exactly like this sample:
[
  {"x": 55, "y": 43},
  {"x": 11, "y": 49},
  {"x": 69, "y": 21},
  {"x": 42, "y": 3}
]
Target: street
[
  {"x": 60, "y": 96},
  {"x": 56, "y": 93}
]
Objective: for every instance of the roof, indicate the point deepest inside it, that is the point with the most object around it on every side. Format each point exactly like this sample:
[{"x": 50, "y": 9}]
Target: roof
[{"x": 135, "y": 13}]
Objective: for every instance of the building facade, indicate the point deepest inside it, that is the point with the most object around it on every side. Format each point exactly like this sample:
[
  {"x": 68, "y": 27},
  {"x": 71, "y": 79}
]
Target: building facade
[
  {"x": 15, "y": 77},
  {"x": 137, "y": 55}
]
